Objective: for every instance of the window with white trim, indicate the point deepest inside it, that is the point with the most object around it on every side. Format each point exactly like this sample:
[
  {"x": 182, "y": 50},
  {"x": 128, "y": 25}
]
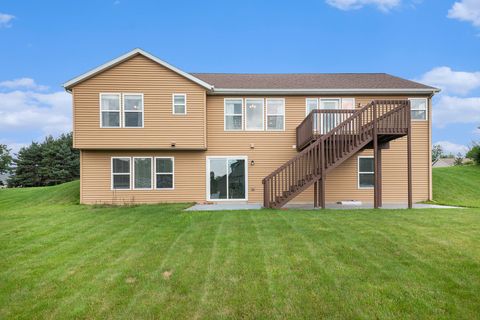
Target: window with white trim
[
  {"x": 121, "y": 173},
  {"x": 275, "y": 114},
  {"x": 179, "y": 103},
  {"x": 133, "y": 110},
  {"x": 110, "y": 110},
  {"x": 233, "y": 114},
  {"x": 142, "y": 173},
  {"x": 254, "y": 114},
  {"x": 418, "y": 108},
  {"x": 164, "y": 172},
  {"x": 311, "y": 104},
  {"x": 348, "y": 103},
  {"x": 366, "y": 173}
]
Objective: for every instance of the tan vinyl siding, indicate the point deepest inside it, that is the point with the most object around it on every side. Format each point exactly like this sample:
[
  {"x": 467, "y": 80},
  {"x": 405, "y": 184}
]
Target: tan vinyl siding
[
  {"x": 271, "y": 149},
  {"x": 189, "y": 175},
  {"x": 140, "y": 75}
]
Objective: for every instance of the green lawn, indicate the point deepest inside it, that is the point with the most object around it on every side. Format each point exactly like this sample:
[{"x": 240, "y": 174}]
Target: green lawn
[
  {"x": 459, "y": 186},
  {"x": 62, "y": 260}
]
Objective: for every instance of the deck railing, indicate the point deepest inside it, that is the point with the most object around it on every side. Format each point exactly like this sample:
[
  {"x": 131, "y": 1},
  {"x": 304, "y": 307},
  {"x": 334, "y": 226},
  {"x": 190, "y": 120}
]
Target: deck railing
[{"x": 321, "y": 122}]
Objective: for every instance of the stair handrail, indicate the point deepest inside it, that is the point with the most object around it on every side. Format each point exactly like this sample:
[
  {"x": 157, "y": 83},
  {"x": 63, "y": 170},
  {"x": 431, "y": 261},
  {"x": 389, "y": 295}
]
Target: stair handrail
[{"x": 307, "y": 149}]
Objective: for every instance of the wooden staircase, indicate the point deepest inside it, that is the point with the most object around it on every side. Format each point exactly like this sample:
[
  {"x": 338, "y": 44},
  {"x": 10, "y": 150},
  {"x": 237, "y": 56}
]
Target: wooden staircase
[{"x": 326, "y": 138}]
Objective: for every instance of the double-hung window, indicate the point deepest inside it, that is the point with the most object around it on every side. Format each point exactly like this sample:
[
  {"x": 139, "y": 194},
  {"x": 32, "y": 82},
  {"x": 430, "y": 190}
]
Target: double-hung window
[
  {"x": 365, "y": 172},
  {"x": 179, "y": 103},
  {"x": 164, "y": 168},
  {"x": 275, "y": 114},
  {"x": 254, "y": 114},
  {"x": 418, "y": 107},
  {"x": 121, "y": 173},
  {"x": 110, "y": 110},
  {"x": 233, "y": 114},
  {"x": 133, "y": 110},
  {"x": 311, "y": 104},
  {"x": 142, "y": 173}
]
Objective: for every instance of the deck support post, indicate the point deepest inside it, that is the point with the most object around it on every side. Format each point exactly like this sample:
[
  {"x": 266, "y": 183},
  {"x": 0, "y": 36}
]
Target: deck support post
[
  {"x": 315, "y": 195},
  {"x": 321, "y": 196},
  {"x": 378, "y": 176},
  {"x": 409, "y": 155},
  {"x": 375, "y": 158},
  {"x": 321, "y": 182}
]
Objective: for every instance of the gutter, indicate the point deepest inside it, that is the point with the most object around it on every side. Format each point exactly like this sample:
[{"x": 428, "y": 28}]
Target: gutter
[{"x": 238, "y": 91}]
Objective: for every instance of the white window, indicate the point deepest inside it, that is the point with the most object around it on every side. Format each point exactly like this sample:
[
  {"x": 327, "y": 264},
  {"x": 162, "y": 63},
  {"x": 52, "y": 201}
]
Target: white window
[
  {"x": 179, "y": 103},
  {"x": 275, "y": 114},
  {"x": 348, "y": 103},
  {"x": 164, "y": 171},
  {"x": 254, "y": 114},
  {"x": 142, "y": 173},
  {"x": 419, "y": 108},
  {"x": 365, "y": 172},
  {"x": 311, "y": 104},
  {"x": 121, "y": 173},
  {"x": 233, "y": 114},
  {"x": 110, "y": 110},
  {"x": 133, "y": 110}
]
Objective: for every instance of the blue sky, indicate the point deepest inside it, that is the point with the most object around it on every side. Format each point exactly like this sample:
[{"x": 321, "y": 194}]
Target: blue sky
[{"x": 45, "y": 43}]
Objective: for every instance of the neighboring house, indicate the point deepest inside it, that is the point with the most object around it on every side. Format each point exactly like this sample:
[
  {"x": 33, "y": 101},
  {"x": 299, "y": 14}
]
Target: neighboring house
[
  {"x": 448, "y": 162},
  {"x": 444, "y": 162},
  {"x": 149, "y": 132}
]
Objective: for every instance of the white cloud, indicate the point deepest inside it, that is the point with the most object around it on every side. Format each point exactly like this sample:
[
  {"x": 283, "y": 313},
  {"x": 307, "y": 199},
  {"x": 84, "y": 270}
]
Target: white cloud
[
  {"x": 448, "y": 110},
  {"x": 5, "y": 20},
  {"x": 13, "y": 145},
  {"x": 384, "y": 5},
  {"x": 34, "y": 114},
  {"x": 466, "y": 10},
  {"x": 458, "y": 82},
  {"x": 452, "y": 148},
  {"x": 22, "y": 83}
]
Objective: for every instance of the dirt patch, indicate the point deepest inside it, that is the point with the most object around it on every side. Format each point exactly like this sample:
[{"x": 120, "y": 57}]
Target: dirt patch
[
  {"x": 167, "y": 274},
  {"x": 130, "y": 280}
]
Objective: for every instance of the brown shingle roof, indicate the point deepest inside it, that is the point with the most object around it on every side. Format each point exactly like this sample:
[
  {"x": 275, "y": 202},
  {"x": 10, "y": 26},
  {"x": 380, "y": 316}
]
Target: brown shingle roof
[{"x": 308, "y": 81}]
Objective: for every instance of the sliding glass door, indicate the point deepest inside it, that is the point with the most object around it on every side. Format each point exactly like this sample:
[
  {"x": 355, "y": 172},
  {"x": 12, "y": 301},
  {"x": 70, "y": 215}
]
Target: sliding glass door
[{"x": 227, "y": 178}]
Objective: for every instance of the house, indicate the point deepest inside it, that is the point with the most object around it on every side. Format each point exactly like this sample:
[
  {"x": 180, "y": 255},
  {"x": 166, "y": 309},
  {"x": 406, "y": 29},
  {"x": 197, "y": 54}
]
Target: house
[
  {"x": 444, "y": 162},
  {"x": 149, "y": 132}
]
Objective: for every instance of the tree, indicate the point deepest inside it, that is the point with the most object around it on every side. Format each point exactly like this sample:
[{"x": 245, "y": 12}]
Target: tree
[
  {"x": 437, "y": 152},
  {"x": 51, "y": 162},
  {"x": 474, "y": 153},
  {"x": 5, "y": 159},
  {"x": 458, "y": 160}
]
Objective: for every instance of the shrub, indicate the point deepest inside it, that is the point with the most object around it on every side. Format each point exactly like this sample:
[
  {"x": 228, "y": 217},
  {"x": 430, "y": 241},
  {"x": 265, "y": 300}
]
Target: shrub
[{"x": 474, "y": 153}]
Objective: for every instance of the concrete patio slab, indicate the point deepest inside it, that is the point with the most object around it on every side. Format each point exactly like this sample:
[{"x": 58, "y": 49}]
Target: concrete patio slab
[{"x": 309, "y": 206}]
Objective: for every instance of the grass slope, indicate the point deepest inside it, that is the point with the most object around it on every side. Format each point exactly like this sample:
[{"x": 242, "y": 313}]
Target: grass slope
[
  {"x": 59, "y": 259},
  {"x": 459, "y": 185}
]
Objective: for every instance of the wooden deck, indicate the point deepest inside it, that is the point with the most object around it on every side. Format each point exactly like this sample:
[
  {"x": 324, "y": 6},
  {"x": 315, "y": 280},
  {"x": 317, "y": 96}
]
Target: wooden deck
[{"x": 326, "y": 138}]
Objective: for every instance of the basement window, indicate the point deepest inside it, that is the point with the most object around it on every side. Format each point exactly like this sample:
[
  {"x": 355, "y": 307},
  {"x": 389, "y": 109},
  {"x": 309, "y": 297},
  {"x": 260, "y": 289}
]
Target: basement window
[
  {"x": 365, "y": 172},
  {"x": 142, "y": 173},
  {"x": 164, "y": 168},
  {"x": 121, "y": 173}
]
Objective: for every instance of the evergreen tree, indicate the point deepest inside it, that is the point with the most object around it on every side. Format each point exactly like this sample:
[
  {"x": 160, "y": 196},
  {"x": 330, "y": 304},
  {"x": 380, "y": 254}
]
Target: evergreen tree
[
  {"x": 5, "y": 159},
  {"x": 52, "y": 162}
]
